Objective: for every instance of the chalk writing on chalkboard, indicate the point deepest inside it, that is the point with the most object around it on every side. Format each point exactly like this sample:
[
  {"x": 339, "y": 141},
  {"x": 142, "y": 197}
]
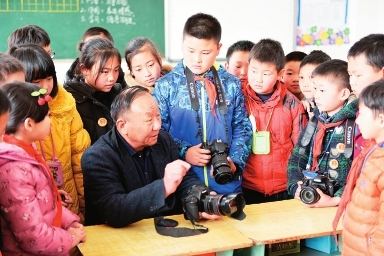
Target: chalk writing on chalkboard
[
  {"x": 106, "y": 12},
  {"x": 39, "y": 6}
]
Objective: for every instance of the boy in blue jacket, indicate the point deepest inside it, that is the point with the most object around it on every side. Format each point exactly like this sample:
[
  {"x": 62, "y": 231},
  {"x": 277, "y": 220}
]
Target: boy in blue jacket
[{"x": 209, "y": 111}]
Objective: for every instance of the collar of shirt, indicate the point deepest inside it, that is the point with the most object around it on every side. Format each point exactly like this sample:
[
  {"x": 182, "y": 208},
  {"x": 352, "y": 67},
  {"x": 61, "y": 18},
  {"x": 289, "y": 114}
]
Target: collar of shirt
[{"x": 146, "y": 151}]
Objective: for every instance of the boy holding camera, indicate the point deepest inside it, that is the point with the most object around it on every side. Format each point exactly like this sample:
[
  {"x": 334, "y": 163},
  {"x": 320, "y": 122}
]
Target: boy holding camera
[
  {"x": 363, "y": 229},
  {"x": 321, "y": 159},
  {"x": 275, "y": 114},
  {"x": 202, "y": 107}
]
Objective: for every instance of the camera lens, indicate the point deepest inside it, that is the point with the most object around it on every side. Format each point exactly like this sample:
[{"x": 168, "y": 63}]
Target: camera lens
[
  {"x": 309, "y": 195},
  {"x": 211, "y": 204},
  {"x": 221, "y": 169},
  {"x": 228, "y": 205}
]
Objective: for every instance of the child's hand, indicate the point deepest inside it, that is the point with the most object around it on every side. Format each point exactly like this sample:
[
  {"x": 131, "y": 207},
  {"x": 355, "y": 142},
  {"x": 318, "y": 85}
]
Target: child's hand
[
  {"x": 298, "y": 190},
  {"x": 198, "y": 156},
  {"x": 78, "y": 233},
  {"x": 325, "y": 200},
  {"x": 308, "y": 105},
  {"x": 65, "y": 198}
]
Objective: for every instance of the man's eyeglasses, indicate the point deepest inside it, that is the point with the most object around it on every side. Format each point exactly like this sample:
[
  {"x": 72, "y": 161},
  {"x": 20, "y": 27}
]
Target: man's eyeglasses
[{"x": 52, "y": 54}]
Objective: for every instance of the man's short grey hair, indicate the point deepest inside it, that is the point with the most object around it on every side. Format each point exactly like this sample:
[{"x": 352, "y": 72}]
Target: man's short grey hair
[{"x": 123, "y": 101}]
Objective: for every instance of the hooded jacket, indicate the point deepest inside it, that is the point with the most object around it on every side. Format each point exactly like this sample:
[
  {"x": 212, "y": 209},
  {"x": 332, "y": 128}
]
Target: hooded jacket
[
  {"x": 363, "y": 225},
  {"x": 70, "y": 140},
  {"x": 93, "y": 106},
  {"x": 268, "y": 173},
  {"x": 299, "y": 158},
  {"x": 28, "y": 207}
]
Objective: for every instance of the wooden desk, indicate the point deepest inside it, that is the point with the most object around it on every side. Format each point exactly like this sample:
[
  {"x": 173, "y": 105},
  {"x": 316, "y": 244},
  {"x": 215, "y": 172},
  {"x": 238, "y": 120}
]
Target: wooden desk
[
  {"x": 283, "y": 221},
  {"x": 141, "y": 238}
]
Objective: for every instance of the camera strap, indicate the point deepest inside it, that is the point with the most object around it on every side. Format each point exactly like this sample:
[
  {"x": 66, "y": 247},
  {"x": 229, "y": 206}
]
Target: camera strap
[
  {"x": 167, "y": 227},
  {"x": 195, "y": 104}
]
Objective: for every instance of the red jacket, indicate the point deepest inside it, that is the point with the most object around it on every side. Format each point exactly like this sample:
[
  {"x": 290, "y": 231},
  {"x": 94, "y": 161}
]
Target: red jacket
[
  {"x": 268, "y": 173},
  {"x": 363, "y": 225}
]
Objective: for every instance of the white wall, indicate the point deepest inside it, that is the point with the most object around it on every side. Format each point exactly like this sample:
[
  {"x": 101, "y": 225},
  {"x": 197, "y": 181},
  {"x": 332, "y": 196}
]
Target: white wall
[{"x": 240, "y": 20}]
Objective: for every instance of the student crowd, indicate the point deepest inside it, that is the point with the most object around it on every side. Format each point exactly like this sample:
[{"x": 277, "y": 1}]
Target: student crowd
[{"x": 115, "y": 148}]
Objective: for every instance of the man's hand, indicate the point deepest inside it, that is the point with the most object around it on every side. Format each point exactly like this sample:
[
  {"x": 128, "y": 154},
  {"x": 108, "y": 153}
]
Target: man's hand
[
  {"x": 325, "y": 200},
  {"x": 204, "y": 215},
  {"x": 198, "y": 156},
  {"x": 67, "y": 198},
  {"x": 173, "y": 175},
  {"x": 78, "y": 233},
  {"x": 298, "y": 190}
]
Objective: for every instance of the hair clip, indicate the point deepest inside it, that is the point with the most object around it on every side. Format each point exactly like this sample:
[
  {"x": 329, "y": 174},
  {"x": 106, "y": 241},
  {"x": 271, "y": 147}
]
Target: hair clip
[{"x": 43, "y": 98}]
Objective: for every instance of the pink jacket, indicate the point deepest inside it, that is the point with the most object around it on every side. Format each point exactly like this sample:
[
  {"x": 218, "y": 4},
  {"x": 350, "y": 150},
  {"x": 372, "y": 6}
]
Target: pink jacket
[{"x": 28, "y": 207}]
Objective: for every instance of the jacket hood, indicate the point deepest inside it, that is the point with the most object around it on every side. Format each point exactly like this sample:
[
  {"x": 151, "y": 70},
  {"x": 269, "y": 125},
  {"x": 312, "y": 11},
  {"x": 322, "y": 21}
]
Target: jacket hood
[
  {"x": 9, "y": 152},
  {"x": 71, "y": 71},
  {"x": 63, "y": 106}
]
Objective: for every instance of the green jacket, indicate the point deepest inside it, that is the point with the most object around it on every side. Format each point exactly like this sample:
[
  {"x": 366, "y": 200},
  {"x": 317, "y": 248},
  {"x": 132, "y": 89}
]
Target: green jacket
[{"x": 298, "y": 160}]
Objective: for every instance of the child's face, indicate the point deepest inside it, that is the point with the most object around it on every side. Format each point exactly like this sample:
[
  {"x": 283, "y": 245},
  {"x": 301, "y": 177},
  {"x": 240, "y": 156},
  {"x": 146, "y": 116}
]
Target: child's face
[
  {"x": 145, "y": 68},
  {"x": 3, "y": 123},
  {"x": 17, "y": 76},
  {"x": 41, "y": 130},
  {"x": 238, "y": 65},
  {"x": 361, "y": 74},
  {"x": 329, "y": 96},
  {"x": 262, "y": 76},
  {"x": 46, "y": 83},
  {"x": 371, "y": 127},
  {"x": 291, "y": 76},
  {"x": 199, "y": 54},
  {"x": 305, "y": 80},
  {"x": 105, "y": 80}
]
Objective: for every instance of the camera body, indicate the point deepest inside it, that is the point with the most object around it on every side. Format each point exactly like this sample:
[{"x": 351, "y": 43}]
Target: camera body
[
  {"x": 308, "y": 193},
  {"x": 221, "y": 168},
  {"x": 199, "y": 200}
]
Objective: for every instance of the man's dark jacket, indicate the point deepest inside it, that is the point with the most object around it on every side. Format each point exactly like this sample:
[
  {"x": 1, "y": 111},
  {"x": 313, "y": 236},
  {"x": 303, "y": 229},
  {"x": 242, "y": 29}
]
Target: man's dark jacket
[{"x": 114, "y": 193}]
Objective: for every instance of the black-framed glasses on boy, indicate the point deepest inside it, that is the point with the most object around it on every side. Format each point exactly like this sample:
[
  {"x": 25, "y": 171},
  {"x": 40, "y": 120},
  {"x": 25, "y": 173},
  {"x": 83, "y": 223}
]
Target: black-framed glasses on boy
[{"x": 52, "y": 54}]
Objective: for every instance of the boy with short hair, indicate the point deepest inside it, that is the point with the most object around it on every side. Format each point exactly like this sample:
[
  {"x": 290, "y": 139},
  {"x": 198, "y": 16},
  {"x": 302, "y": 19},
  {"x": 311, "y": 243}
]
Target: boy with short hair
[
  {"x": 200, "y": 102},
  {"x": 276, "y": 116},
  {"x": 11, "y": 69},
  {"x": 363, "y": 195},
  {"x": 30, "y": 34},
  {"x": 237, "y": 60},
  {"x": 291, "y": 72},
  {"x": 365, "y": 66},
  {"x": 325, "y": 147},
  {"x": 307, "y": 65}
]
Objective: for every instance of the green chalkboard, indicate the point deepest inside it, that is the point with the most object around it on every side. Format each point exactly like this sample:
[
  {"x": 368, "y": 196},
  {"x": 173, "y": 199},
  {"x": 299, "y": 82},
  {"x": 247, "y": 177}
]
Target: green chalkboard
[{"x": 66, "y": 20}]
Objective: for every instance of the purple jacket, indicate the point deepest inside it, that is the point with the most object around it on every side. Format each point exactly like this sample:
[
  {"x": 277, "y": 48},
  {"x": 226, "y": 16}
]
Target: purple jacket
[{"x": 28, "y": 209}]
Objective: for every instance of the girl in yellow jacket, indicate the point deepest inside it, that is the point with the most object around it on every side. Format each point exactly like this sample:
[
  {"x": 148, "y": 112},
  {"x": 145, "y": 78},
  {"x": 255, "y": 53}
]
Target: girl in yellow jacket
[{"x": 67, "y": 141}]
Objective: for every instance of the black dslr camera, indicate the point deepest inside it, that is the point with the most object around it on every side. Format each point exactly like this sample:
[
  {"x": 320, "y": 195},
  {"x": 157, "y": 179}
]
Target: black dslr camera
[
  {"x": 198, "y": 200},
  {"x": 308, "y": 193},
  {"x": 221, "y": 169}
]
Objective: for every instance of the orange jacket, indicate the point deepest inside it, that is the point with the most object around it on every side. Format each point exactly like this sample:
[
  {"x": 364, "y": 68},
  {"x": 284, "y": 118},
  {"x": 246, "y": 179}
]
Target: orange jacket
[
  {"x": 363, "y": 226},
  {"x": 268, "y": 173}
]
